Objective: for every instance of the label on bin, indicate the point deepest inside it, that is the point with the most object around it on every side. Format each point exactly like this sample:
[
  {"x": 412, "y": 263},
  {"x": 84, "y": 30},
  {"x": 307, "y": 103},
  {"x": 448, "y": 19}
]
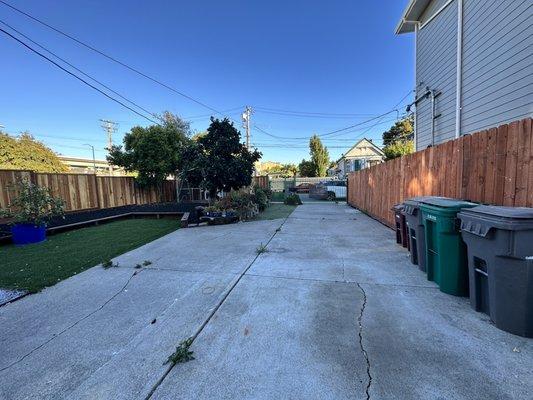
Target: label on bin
[{"x": 431, "y": 217}]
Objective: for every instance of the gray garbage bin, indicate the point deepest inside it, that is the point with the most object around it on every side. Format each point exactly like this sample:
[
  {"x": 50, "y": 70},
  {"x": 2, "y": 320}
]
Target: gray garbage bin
[
  {"x": 500, "y": 263},
  {"x": 415, "y": 230}
]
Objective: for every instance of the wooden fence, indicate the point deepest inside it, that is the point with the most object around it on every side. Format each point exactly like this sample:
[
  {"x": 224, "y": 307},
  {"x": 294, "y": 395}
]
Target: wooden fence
[
  {"x": 493, "y": 166},
  {"x": 85, "y": 192},
  {"x": 261, "y": 181}
]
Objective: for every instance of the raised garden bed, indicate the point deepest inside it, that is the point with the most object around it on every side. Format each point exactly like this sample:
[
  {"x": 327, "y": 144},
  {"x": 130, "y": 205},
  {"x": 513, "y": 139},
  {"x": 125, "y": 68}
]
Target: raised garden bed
[{"x": 79, "y": 218}]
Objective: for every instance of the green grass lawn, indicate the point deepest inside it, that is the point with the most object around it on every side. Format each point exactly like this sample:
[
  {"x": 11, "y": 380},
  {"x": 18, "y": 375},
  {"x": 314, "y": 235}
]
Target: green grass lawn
[
  {"x": 33, "y": 267},
  {"x": 275, "y": 211},
  {"x": 278, "y": 196}
]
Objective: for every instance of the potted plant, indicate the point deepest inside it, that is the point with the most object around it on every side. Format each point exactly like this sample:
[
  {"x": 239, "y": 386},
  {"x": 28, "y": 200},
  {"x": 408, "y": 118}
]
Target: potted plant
[{"x": 30, "y": 210}]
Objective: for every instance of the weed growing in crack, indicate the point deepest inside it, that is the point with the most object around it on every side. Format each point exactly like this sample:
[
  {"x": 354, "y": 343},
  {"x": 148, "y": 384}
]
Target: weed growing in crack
[
  {"x": 261, "y": 249},
  {"x": 109, "y": 264},
  {"x": 279, "y": 229},
  {"x": 182, "y": 353},
  {"x": 146, "y": 263},
  {"x": 138, "y": 266}
]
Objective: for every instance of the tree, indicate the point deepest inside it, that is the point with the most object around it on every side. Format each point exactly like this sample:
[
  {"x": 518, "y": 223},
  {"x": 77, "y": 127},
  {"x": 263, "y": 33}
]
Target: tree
[
  {"x": 398, "y": 149},
  {"x": 279, "y": 169},
  {"x": 153, "y": 152},
  {"x": 398, "y": 140},
  {"x": 319, "y": 156},
  {"x": 27, "y": 153},
  {"x": 289, "y": 170},
  {"x": 307, "y": 169},
  {"x": 218, "y": 160}
]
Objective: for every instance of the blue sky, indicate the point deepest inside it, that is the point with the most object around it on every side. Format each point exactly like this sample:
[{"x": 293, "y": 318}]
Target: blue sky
[{"x": 334, "y": 57}]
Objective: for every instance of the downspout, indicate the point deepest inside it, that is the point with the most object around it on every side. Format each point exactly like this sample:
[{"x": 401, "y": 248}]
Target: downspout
[
  {"x": 432, "y": 117},
  {"x": 459, "y": 69}
]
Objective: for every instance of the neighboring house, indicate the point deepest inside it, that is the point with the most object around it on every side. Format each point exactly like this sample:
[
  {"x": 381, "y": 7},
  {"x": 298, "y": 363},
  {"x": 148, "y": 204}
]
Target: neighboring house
[
  {"x": 362, "y": 155},
  {"x": 87, "y": 166},
  {"x": 474, "y": 65}
]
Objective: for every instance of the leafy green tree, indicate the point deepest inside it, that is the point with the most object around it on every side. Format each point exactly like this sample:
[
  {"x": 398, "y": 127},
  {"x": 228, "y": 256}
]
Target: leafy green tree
[
  {"x": 398, "y": 140},
  {"x": 319, "y": 156},
  {"x": 307, "y": 169},
  {"x": 191, "y": 166},
  {"x": 152, "y": 152},
  {"x": 27, "y": 153},
  {"x": 289, "y": 170},
  {"x": 401, "y": 130},
  {"x": 218, "y": 160},
  {"x": 398, "y": 149},
  {"x": 198, "y": 135},
  {"x": 283, "y": 170}
]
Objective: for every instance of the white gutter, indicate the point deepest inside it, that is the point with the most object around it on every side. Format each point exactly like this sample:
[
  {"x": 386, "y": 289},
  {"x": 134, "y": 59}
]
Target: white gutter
[
  {"x": 405, "y": 14},
  {"x": 436, "y": 13},
  {"x": 459, "y": 69}
]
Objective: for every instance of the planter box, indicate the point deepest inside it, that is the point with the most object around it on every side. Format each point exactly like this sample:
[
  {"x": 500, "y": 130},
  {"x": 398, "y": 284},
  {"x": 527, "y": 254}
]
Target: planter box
[{"x": 28, "y": 233}]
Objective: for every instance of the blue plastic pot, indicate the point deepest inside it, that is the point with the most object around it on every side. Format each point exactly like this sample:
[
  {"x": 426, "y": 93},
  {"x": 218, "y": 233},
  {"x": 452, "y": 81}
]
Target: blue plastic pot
[{"x": 28, "y": 233}]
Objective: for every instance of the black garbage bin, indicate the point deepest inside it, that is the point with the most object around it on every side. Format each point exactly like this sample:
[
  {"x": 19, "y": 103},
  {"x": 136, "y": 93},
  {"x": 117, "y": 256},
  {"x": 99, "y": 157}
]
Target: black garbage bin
[
  {"x": 415, "y": 230},
  {"x": 401, "y": 228},
  {"x": 500, "y": 263}
]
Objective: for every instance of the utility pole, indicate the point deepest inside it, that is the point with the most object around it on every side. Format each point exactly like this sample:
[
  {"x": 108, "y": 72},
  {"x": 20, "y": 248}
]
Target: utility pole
[
  {"x": 110, "y": 127},
  {"x": 246, "y": 116},
  {"x": 94, "y": 160}
]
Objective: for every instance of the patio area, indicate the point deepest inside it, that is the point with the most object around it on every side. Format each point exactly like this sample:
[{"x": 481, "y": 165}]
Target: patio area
[{"x": 332, "y": 309}]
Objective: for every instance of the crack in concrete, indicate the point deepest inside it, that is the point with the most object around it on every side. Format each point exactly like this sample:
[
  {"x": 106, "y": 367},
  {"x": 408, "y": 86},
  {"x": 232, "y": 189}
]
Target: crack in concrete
[
  {"x": 397, "y": 285},
  {"x": 56, "y": 335},
  {"x": 213, "y": 312},
  {"x": 363, "y": 350}
]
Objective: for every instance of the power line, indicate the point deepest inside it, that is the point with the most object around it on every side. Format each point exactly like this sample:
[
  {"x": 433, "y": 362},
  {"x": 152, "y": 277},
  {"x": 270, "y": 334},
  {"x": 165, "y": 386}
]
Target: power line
[
  {"x": 78, "y": 69},
  {"x": 286, "y": 114},
  {"x": 66, "y": 138},
  {"x": 76, "y": 76},
  {"x": 345, "y": 129},
  {"x": 209, "y": 115},
  {"x": 88, "y": 46},
  {"x": 73, "y": 147},
  {"x": 315, "y": 113}
]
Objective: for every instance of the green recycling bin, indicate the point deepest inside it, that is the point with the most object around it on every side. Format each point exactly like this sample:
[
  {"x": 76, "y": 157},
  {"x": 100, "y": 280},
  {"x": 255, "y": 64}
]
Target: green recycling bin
[{"x": 446, "y": 259}]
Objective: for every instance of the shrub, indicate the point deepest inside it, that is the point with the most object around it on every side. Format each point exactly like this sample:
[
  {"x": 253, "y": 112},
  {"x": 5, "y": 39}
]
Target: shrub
[
  {"x": 268, "y": 192},
  {"x": 260, "y": 198},
  {"x": 293, "y": 200},
  {"x": 33, "y": 204},
  {"x": 243, "y": 205}
]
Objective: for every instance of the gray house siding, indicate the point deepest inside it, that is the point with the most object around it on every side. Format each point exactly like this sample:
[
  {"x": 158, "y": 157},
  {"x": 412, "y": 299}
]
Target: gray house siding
[
  {"x": 436, "y": 69},
  {"x": 497, "y": 63},
  {"x": 497, "y": 66}
]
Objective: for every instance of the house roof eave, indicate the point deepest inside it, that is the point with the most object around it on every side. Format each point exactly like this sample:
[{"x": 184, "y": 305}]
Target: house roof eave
[{"x": 411, "y": 16}]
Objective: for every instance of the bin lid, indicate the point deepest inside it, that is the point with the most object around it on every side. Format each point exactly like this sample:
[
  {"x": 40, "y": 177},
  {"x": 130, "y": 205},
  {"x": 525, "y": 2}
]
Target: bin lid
[
  {"x": 481, "y": 219},
  {"x": 414, "y": 201},
  {"x": 503, "y": 212},
  {"x": 445, "y": 202},
  {"x": 397, "y": 207}
]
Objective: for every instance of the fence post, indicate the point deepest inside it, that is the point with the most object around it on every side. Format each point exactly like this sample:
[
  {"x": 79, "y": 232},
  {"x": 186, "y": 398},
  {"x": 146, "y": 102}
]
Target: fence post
[
  {"x": 348, "y": 189},
  {"x": 33, "y": 177},
  {"x": 98, "y": 205}
]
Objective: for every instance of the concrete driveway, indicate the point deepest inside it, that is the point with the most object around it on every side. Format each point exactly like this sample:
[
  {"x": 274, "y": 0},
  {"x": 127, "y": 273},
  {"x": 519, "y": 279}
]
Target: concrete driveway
[{"x": 333, "y": 310}]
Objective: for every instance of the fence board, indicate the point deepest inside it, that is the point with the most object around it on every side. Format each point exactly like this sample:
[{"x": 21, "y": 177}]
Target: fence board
[{"x": 493, "y": 166}]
